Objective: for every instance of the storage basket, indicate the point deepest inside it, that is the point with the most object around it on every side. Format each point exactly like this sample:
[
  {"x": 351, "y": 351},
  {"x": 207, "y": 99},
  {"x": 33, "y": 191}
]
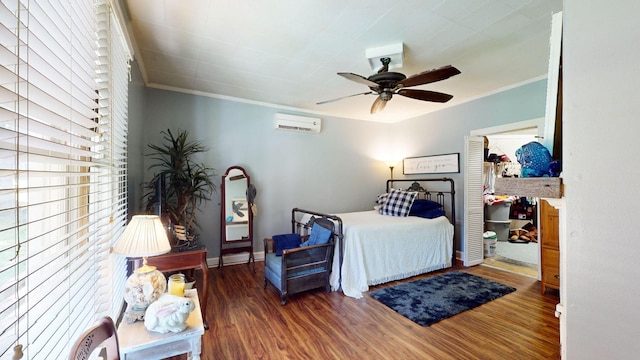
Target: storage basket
[
  {"x": 498, "y": 211},
  {"x": 501, "y": 228}
]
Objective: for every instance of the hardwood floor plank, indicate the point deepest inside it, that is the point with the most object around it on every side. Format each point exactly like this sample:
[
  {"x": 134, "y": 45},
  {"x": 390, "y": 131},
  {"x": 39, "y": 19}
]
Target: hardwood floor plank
[{"x": 247, "y": 322}]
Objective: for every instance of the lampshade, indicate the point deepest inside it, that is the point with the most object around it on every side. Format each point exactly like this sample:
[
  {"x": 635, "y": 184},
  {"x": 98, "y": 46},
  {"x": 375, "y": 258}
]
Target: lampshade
[{"x": 144, "y": 236}]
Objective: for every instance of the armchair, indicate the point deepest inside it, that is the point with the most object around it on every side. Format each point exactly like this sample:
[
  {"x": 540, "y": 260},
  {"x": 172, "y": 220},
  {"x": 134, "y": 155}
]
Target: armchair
[{"x": 302, "y": 266}]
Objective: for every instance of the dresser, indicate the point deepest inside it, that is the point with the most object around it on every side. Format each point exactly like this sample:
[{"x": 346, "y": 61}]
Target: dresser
[{"x": 549, "y": 247}]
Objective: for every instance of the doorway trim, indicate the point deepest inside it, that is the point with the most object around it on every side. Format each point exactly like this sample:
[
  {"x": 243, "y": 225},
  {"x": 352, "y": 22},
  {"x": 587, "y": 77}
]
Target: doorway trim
[
  {"x": 539, "y": 124},
  {"x": 511, "y": 127}
]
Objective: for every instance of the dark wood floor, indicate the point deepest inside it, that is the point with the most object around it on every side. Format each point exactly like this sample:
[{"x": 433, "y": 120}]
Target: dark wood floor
[{"x": 247, "y": 322}]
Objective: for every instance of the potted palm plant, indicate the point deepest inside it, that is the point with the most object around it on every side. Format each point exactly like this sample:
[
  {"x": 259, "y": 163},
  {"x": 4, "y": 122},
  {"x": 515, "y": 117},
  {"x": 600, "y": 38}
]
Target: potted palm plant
[{"x": 179, "y": 184}]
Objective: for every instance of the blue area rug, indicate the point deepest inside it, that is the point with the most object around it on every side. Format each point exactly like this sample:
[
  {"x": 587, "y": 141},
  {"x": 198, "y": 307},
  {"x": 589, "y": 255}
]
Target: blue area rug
[{"x": 430, "y": 300}]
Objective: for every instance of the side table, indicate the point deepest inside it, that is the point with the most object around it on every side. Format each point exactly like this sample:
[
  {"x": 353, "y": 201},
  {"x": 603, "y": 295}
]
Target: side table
[
  {"x": 178, "y": 260},
  {"x": 138, "y": 343}
]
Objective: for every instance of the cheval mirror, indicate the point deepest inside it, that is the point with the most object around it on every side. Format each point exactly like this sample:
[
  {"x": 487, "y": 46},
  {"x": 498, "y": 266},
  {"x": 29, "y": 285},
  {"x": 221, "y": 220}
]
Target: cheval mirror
[{"x": 236, "y": 215}]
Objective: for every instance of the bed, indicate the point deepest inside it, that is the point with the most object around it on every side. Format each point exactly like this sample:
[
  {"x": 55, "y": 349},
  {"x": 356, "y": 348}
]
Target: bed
[{"x": 380, "y": 248}]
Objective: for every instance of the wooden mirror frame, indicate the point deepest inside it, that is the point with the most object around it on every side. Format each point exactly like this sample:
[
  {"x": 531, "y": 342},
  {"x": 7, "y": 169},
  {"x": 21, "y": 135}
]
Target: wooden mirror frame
[{"x": 244, "y": 243}]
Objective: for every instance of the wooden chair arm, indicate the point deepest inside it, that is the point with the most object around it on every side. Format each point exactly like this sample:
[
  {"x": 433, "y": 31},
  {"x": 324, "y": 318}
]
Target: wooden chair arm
[
  {"x": 298, "y": 249},
  {"x": 269, "y": 245}
]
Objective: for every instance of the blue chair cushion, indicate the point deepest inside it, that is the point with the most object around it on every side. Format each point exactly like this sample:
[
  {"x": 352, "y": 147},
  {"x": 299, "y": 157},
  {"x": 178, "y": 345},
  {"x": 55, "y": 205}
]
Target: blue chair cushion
[
  {"x": 286, "y": 241},
  {"x": 319, "y": 235}
]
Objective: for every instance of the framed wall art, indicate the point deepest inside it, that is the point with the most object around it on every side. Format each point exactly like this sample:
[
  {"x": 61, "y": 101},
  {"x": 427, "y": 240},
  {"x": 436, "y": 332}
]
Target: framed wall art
[{"x": 432, "y": 164}]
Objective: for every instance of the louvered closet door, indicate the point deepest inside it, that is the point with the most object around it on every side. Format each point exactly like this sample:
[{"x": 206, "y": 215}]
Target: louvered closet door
[{"x": 473, "y": 204}]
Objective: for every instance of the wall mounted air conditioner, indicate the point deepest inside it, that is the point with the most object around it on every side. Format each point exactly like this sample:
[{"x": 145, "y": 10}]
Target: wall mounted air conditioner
[{"x": 297, "y": 123}]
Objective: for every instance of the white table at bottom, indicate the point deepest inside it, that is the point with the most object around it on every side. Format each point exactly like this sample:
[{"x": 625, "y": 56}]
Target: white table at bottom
[{"x": 136, "y": 342}]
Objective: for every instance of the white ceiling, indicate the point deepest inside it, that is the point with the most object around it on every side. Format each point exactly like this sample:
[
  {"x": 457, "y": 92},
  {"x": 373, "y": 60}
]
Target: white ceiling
[{"x": 286, "y": 53}]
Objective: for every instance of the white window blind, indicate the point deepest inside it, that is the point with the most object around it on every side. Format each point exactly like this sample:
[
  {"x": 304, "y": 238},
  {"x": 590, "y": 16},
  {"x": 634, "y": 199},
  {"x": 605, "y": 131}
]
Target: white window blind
[
  {"x": 63, "y": 100},
  {"x": 113, "y": 81}
]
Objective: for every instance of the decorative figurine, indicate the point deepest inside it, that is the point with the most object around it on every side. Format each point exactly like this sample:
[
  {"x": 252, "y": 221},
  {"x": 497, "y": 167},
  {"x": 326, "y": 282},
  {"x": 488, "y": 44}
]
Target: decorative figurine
[
  {"x": 536, "y": 161},
  {"x": 168, "y": 314}
]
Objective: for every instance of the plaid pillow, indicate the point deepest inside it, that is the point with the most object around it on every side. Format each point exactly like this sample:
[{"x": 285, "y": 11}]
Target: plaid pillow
[
  {"x": 398, "y": 203},
  {"x": 382, "y": 198}
]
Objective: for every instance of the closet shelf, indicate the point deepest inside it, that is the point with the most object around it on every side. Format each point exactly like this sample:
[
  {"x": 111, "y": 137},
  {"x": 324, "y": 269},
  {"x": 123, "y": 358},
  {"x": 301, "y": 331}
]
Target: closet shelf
[{"x": 543, "y": 187}]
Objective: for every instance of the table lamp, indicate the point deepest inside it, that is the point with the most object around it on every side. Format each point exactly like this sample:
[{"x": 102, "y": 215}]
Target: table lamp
[{"x": 144, "y": 236}]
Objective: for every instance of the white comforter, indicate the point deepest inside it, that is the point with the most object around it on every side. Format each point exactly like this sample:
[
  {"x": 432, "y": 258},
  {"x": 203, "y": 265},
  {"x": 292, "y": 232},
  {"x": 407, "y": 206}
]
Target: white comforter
[{"x": 380, "y": 248}]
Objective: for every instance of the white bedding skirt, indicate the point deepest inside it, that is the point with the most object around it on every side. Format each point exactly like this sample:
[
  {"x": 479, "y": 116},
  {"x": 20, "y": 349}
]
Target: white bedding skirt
[{"x": 380, "y": 248}]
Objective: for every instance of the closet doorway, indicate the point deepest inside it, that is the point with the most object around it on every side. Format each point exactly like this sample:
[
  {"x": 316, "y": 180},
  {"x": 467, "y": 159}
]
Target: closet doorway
[
  {"x": 514, "y": 223},
  {"x": 514, "y": 219}
]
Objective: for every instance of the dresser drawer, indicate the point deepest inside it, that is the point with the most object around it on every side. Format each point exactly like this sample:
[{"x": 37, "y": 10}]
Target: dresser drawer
[
  {"x": 550, "y": 257},
  {"x": 551, "y": 268},
  {"x": 551, "y": 277}
]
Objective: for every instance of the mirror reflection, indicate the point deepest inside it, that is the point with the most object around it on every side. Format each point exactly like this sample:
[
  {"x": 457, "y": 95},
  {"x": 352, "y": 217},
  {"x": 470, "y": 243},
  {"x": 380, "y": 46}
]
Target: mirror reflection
[{"x": 236, "y": 206}]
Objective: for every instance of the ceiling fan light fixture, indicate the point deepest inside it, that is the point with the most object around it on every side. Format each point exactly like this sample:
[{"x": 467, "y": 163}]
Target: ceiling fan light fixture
[
  {"x": 386, "y": 83},
  {"x": 395, "y": 52},
  {"x": 378, "y": 105},
  {"x": 386, "y": 95}
]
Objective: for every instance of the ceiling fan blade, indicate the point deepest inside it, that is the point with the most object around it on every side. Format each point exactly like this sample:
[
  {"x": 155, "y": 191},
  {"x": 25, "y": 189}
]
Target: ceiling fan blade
[
  {"x": 425, "y": 95},
  {"x": 429, "y": 76},
  {"x": 359, "y": 79},
  {"x": 344, "y": 97},
  {"x": 378, "y": 105}
]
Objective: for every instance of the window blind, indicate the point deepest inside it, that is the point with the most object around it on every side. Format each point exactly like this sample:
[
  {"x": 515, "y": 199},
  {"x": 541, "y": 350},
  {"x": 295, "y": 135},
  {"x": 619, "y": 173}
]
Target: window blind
[
  {"x": 113, "y": 81},
  {"x": 63, "y": 80}
]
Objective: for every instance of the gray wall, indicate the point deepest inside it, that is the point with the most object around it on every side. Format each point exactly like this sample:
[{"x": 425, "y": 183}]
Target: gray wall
[
  {"x": 444, "y": 131},
  {"x": 338, "y": 170},
  {"x": 314, "y": 171}
]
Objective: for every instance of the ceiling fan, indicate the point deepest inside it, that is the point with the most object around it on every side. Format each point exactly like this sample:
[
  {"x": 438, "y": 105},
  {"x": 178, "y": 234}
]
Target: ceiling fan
[{"x": 386, "y": 84}]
